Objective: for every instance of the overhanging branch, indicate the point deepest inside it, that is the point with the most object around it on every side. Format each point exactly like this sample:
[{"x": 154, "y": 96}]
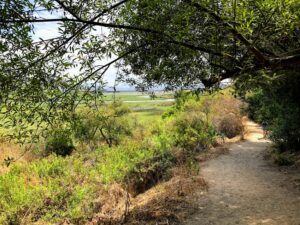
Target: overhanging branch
[
  {"x": 258, "y": 54},
  {"x": 117, "y": 26}
]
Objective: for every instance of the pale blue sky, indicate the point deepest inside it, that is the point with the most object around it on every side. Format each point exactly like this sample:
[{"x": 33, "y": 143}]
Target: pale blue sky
[{"x": 50, "y": 30}]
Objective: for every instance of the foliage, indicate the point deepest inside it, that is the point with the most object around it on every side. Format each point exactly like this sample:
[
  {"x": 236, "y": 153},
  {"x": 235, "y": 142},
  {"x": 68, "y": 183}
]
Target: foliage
[
  {"x": 56, "y": 189},
  {"x": 47, "y": 190},
  {"x": 192, "y": 132},
  {"x": 230, "y": 126},
  {"x": 172, "y": 53},
  {"x": 59, "y": 141},
  {"x": 109, "y": 123},
  {"x": 282, "y": 158},
  {"x": 113, "y": 123},
  {"x": 119, "y": 161},
  {"x": 184, "y": 43},
  {"x": 278, "y": 105},
  {"x": 219, "y": 112},
  {"x": 85, "y": 125}
]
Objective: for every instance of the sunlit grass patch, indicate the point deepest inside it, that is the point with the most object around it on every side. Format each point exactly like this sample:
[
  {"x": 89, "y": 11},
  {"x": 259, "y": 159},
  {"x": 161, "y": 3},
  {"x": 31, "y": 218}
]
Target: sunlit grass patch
[{"x": 136, "y": 96}]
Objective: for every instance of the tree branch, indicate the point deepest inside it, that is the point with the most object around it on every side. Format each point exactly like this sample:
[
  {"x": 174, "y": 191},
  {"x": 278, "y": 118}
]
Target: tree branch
[
  {"x": 71, "y": 37},
  {"x": 214, "y": 80},
  {"x": 286, "y": 62},
  {"x": 67, "y": 9},
  {"x": 95, "y": 72},
  {"x": 116, "y": 26},
  {"x": 258, "y": 54}
]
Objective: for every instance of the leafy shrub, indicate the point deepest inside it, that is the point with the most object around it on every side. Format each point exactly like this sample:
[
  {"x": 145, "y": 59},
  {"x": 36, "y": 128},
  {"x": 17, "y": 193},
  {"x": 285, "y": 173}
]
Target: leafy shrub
[
  {"x": 118, "y": 161},
  {"x": 285, "y": 129},
  {"x": 192, "y": 132},
  {"x": 278, "y": 105},
  {"x": 59, "y": 141},
  {"x": 85, "y": 125},
  {"x": 198, "y": 118},
  {"x": 282, "y": 159},
  {"x": 110, "y": 123},
  {"x": 221, "y": 109}
]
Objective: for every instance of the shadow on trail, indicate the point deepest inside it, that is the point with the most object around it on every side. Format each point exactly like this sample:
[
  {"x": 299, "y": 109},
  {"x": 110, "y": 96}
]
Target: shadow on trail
[{"x": 246, "y": 189}]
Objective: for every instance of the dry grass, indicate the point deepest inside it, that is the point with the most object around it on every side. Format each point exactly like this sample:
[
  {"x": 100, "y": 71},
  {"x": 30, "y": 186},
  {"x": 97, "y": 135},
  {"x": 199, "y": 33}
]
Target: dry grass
[
  {"x": 12, "y": 151},
  {"x": 168, "y": 202},
  {"x": 226, "y": 115}
]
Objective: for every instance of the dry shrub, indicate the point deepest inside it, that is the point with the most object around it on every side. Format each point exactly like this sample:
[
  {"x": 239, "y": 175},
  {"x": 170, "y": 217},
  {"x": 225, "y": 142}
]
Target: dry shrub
[
  {"x": 227, "y": 116},
  {"x": 169, "y": 202},
  {"x": 14, "y": 152},
  {"x": 111, "y": 206},
  {"x": 230, "y": 125}
]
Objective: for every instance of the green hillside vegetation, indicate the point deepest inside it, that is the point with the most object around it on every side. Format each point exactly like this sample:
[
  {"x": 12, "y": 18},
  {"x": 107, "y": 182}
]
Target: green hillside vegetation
[
  {"x": 136, "y": 96},
  {"x": 53, "y": 189},
  {"x": 74, "y": 154},
  {"x": 277, "y": 104}
]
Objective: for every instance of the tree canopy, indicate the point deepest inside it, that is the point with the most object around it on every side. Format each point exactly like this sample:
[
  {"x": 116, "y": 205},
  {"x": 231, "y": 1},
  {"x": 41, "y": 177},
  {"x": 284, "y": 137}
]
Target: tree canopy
[{"x": 177, "y": 43}]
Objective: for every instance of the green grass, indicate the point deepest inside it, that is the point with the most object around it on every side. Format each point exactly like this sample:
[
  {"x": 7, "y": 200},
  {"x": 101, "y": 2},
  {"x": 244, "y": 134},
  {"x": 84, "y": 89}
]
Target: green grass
[
  {"x": 49, "y": 189},
  {"x": 55, "y": 188},
  {"x": 148, "y": 112},
  {"x": 136, "y": 96}
]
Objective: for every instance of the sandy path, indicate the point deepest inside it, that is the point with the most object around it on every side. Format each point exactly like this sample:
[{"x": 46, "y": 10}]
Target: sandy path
[{"x": 245, "y": 189}]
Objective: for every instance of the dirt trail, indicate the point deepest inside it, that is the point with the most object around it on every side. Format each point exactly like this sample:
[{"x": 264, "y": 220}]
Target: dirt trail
[{"x": 246, "y": 189}]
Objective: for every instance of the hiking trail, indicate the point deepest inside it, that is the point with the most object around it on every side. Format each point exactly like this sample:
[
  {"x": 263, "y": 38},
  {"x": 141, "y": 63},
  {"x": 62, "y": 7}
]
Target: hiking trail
[{"x": 244, "y": 188}]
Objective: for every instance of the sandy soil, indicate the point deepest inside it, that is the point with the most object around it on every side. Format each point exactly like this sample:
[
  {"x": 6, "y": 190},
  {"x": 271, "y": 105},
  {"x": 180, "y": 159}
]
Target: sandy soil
[{"x": 244, "y": 188}]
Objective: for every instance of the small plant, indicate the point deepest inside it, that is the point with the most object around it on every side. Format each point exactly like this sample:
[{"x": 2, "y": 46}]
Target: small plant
[
  {"x": 282, "y": 158},
  {"x": 59, "y": 142}
]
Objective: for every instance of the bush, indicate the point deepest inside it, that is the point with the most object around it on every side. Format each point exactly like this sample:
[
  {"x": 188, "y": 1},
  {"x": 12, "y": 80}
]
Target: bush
[
  {"x": 278, "y": 105},
  {"x": 59, "y": 142},
  {"x": 192, "y": 132},
  {"x": 109, "y": 124},
  {"x": 282, "y": 159},
  {"x": 198, "y": 118},
  {"x": 230, "y": 125},
  {"x": 85, "y": 125},
  {"x": 285, "y": 129}
]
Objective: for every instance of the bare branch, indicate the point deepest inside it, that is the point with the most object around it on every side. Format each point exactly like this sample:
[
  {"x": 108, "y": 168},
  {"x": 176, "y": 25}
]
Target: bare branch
[{"x": 67, "y": 9}]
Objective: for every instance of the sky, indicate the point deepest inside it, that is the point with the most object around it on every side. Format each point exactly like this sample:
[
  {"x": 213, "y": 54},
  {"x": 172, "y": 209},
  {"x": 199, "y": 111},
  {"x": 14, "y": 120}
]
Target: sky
[{"x": 49, "y": 30}]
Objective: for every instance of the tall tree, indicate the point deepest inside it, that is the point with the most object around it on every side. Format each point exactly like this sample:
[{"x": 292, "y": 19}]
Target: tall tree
[{"x": 170, "y": 42}]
